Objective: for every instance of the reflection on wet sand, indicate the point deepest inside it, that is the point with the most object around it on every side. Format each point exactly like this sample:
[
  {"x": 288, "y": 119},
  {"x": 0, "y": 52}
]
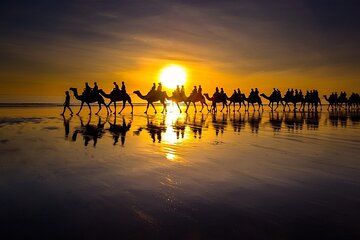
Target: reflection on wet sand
[
  {"x": 173, "y": 127},
  {"x": 154, "y": 127},
  {"x": 182, "y": 174},
  {"x": 340, "y": 118},
  {"x": 89, "y": 131},
  {"x": 119, "y": 130}
]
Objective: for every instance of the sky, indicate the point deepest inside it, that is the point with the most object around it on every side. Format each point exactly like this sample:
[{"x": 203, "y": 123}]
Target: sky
[{"x": 48, "y": 46}]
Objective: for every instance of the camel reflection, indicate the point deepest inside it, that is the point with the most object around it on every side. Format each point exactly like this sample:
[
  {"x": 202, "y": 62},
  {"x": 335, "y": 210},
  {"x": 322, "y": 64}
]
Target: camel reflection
[
  {"x": 237, "y": 121},
  {"x": 336, "y": 118},
  {"x": 219, "y": 124},
  {"x": 119, "y": 130},
  {"x": 312, "y": 120},
  {"x": 89, "y": 131},
  {"x": 275, "y": 120},
  {"x": 295, "y": 120},
  {"x": 196, "y": 124},
  {"x": 254, "y": 121},
  {"x": 179, "y": 128},
  {"x": 154, "y": 127}
]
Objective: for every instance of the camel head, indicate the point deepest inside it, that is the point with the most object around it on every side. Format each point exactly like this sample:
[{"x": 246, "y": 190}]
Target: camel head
[
  {"x": 263, "y": 95},
  {"x": 137, "y": 92}
]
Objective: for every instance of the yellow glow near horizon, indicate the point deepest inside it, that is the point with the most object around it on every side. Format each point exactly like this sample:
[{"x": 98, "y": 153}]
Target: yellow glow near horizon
[{"x": 172, "y": 76}]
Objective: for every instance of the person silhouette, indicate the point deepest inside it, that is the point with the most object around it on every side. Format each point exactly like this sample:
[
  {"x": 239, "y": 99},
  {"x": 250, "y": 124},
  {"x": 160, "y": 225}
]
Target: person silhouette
[
  {"x": 252, "y": 93},
  {"x": 116, "y": 87},
  {"x": 67, "y": 103},
  {"x": 87, "y": 89},
  {"x": 182, "y": 91},
  {"x": 159, "y": 88},
  {"x": 200, "y": 89},
  {"x": 95, "y": 89},
  {"x": 194, "y": 91},
  {"x": 177, "y": 91},
  {"x": 123, "y": 89}
]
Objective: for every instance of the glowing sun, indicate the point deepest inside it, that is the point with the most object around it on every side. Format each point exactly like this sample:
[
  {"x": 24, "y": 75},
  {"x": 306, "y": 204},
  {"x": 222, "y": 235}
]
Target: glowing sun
[{"x": 172, "y": 76}]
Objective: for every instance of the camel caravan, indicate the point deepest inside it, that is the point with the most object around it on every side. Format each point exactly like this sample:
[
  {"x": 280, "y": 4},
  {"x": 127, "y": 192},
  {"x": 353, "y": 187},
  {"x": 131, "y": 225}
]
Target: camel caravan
[{"x": 291, "y": 100}]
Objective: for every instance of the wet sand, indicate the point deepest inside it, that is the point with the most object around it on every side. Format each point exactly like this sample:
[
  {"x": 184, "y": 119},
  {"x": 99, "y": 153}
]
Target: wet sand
[{"x": 247, "y": 175}]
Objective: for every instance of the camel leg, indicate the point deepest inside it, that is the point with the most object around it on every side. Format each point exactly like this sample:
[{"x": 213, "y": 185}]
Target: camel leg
[
  {"x": 194, "y": 106},
  {"x": 277, "y": 105},
  {"x": 124, "y": 101},
  {"x": 178, "y": 106},
  {"x": 132, "y": 106},
  {"x": 115, "y": 107},
  {"x": 147, "y": 107},
  {"x": 89, "y": 107},
  {"x": 187, "y": 106},
  {"x": 99, "y": 109},
  {"x": 153, "y": 107},
  {"x": 108, "y": 106},
  {"x": 82, "y": 103},
  {"x": 202, "y": 106},
  {"x": 164, "y": 108},
  {"x": 207, "y": 107},
  {"x": 222, "y": 108}
]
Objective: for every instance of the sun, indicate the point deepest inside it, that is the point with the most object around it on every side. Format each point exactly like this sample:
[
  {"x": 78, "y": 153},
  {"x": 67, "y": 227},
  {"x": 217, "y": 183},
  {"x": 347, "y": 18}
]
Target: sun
[{"x": 172, "y": 76}]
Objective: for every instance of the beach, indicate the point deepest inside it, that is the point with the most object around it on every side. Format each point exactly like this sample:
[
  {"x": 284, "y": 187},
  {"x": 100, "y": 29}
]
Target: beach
[{"x": 248, "y": 175}]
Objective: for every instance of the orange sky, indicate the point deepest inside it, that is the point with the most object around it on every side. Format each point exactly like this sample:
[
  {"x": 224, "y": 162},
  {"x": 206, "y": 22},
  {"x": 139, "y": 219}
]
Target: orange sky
[{"x": 230, "y": 45}]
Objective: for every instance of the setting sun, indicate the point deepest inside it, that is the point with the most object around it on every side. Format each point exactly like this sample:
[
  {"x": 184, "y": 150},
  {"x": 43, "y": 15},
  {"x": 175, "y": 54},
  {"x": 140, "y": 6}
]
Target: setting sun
[{"x": 172, "y": 76}]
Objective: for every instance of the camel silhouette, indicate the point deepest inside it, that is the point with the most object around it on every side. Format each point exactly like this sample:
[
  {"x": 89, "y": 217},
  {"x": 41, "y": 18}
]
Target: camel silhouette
[
  {"x": 153, "y": 96},
  {"x": 312, "y": 102},
  {"x": 354, "y": 101},
  {"x": 92, "y": 97},
  {"x": 193, "y": 98},
  {"x": 254, "y": 99},
  {"x": 237, "y": 98},
  {"x": 332, "y": 100},
  {"x": 272, "y": 99},
  {"x": 117, "y": 96},
  {"x": 217, "y": 99}
]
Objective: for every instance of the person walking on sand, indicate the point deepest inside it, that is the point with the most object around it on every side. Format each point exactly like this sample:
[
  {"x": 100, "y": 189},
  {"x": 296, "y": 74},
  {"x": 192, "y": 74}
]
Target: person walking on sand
[{"x": 67, "y": 103}]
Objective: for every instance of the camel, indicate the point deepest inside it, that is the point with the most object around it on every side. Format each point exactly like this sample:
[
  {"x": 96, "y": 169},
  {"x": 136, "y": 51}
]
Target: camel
[
  {"x": 354, "y": 101},
  {"x": 253, "y": 100},
  {"x": 236, "y": 98},
  {"x": 273, "y": 99},
  {"x": 89, "y": 99},
  {"x": 332, "y": 102},
  {"x": 117, "y": 96},
  {"x": 193, "y": 98},
  {"x": 153, "y": 96},
  {"x": 217, "y": 99},
  {"x": 314, "y": 101}
]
